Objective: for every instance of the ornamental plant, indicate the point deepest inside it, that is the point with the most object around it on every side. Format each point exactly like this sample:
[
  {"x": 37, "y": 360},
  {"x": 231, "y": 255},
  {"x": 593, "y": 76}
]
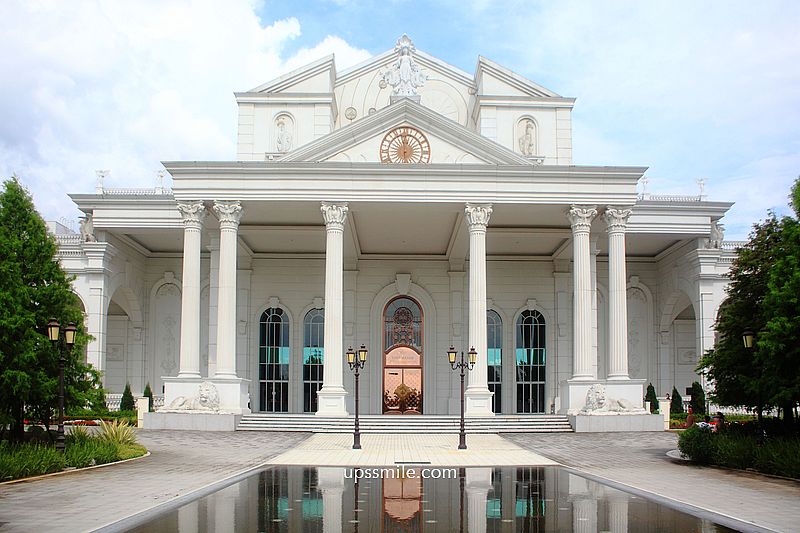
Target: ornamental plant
[
  {"x": 127, "y": 403},
  {"x": 698, "y": 399},
  {"x": 148, "y": 393},
  {"x": 651, "y": 397},
  {"x": 676, "y": 404}
]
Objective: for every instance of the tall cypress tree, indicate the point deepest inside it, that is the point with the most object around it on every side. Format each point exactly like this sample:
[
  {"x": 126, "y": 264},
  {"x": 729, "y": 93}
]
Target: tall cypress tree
[{"x": 33, "y": 289}]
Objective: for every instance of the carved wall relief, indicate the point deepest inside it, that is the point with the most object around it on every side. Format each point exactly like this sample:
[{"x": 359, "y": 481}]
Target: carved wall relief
[
  {"x": 167, "y": 322},
  {"x": 284, "y": 133},
  {"x": 526, "y": 137}
]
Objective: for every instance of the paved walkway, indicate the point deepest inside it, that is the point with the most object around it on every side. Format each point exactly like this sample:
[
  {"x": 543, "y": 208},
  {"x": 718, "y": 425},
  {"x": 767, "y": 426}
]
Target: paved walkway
[
  {"x": 181, "y": 463},
  {"x": 385, "y": 450},
  {"x": 185, "y": 465},
  {"x": 638, "y": 461}
]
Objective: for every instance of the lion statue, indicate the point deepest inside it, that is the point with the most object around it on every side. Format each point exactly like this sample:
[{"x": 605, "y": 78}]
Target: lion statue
[
  {"x": 207, "y": 399},
  {"x": 597, "y": 402}
]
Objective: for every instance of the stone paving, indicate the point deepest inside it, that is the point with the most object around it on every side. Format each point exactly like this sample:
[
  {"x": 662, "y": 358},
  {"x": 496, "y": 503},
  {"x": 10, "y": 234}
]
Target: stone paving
[
  {"x": 186, "y": 464},
  {"x": 181, "y": 462},
  {"x": 638, "y": 461},
  {"x": 385, "y": 450}
]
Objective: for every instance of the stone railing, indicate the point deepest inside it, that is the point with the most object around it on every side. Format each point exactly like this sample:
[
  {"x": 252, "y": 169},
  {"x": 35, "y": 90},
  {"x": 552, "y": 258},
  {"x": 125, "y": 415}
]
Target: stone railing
[
  {"x": 733, "y": 245},
  {"x": 113, "y": 401},
  {"x": 130, "y": 191},
  {"x": 670, "y": 198},
  {"x": 65, "y": 239}
]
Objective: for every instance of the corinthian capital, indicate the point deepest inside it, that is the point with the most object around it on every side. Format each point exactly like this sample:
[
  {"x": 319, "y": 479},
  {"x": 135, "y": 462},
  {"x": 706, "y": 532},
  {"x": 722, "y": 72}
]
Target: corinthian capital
[
  {"x": 193, "y": 213},
  {"x": 334, "y": 214},
  {"x": 616, "y": 218},
  {"x": 478, "y": 215},
  {"x": 228, "y": 213},
  {"x": 581, "y": 216}
]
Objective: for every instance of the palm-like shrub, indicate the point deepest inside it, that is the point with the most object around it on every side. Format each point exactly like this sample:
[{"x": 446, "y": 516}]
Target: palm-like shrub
[{"x": 118, "y": 432}]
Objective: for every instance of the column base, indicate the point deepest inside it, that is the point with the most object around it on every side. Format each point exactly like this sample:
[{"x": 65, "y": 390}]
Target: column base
[
  {"x": 331, "y": 402},
  {"x": 478, "y": 402}
]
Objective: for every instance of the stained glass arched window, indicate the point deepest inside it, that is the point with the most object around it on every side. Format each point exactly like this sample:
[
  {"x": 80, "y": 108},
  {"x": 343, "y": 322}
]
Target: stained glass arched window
[
  {"x": 530, "y": 362},
  {"x": 273, "y": 360},
  {"x": 494, "y": 337},
  {"x": 402, "y": 321},
  {"x": 313, "y": 357}
]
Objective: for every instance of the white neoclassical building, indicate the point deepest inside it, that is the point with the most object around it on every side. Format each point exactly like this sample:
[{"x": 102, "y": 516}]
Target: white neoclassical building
[{"x": 408, "y": 206}]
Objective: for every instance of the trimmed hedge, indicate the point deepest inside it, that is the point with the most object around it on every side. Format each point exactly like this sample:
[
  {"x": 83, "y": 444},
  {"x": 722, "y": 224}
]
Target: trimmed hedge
[{"x": 741, "y": 449}]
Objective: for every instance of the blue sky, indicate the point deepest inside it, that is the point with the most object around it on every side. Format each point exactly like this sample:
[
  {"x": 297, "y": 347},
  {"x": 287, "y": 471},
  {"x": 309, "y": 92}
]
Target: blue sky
[{"x": 691, "y": 89}]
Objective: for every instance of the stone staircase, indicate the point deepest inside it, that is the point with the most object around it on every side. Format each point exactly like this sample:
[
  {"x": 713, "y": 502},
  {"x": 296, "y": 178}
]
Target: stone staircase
[{"x": 405, "y": 424}]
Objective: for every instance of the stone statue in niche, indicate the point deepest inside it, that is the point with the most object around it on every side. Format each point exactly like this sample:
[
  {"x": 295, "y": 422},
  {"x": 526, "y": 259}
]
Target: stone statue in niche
[
  {"x": 404, "y": 75},
  {"x": 597, "y": 403},
  {"x": 283, "y": 137},
  {"x": 87, "y": 229},
  {"x": 717, "y": 235},
  {"x": 527, "y": 139},
  {"x": 207, "y": 399}
]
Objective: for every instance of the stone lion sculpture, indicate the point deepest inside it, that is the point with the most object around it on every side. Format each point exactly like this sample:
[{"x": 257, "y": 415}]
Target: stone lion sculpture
[
  {"x": 597, "y": 402},
  {"x": 207, "y": 399}
]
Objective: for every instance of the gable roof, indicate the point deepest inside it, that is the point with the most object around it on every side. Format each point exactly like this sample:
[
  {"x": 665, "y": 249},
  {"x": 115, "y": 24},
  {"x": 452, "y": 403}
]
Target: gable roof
[
  {"x": 406, "y": 111},
  {"x": 299, "y": 75},
  {"x": 488, "y": 67}
]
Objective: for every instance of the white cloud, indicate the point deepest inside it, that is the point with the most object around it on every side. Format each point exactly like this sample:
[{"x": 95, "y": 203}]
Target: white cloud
[{"x": 122, "y": 86}]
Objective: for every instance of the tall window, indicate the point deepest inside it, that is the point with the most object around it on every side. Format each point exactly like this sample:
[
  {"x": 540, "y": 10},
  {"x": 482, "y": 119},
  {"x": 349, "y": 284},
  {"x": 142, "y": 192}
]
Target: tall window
[
  {"x": 273, "y": 361},
  {"x": 530, "y": 361},
  {"x": 402, "y": 324},
  {"x": 494, "y": 337},
  {"x": 313, "y": 355}
]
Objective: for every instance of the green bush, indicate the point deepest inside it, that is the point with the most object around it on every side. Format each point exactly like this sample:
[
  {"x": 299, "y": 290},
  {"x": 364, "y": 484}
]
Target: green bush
[
  {"x": 127, "y": 403},
  {"x": 651, "y": 397},
  {"x": 91, "y": 452},
  {"x": 698, "y": 399},
  {"x": 734, "y": 451},
  {"x": 117, "y": 432},
  {"x": 148, "y": 393},
  {"x": 698, "y": 444},
  {"x": 25, "y": 460},
  {"x": 676, "y": 403}
]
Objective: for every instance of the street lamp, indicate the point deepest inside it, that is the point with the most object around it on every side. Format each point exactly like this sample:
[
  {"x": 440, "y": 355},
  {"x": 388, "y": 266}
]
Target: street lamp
[
  {"x": 463, "y": 367},
  {"x": 54, "y": 333},
  {"x": 356, "y": 363},
  {"x": 747, "y": 338}
]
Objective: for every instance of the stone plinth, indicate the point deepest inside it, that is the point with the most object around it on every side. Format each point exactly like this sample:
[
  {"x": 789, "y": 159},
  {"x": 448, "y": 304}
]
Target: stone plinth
[
  {"x": 611, "y": 422},
  {"x": 192, "y": 421}
]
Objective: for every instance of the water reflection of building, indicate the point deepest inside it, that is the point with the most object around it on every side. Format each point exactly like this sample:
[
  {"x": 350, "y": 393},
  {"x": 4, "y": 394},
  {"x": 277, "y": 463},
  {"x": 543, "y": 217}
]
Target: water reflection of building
[{"x": 491, "y": 500}]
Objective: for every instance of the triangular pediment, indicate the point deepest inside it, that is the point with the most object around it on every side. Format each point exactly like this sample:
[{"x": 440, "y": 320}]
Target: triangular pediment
[
  {"x": 496, "y": 80},
  {"x": 316, "y": 77},
  {"x": 450, "y": 142}
]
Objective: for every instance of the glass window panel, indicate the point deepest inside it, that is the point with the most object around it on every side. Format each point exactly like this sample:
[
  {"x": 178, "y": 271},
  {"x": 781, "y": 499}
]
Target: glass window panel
[
  {"x": 313, "y": 357},
  {"x": 530, "y": 361},
  {"x": 274, "y": 355}
]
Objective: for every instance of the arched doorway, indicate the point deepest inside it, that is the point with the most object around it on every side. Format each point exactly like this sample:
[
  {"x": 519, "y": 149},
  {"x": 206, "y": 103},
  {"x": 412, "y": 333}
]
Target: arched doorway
[{"x": 402, "y": 357}]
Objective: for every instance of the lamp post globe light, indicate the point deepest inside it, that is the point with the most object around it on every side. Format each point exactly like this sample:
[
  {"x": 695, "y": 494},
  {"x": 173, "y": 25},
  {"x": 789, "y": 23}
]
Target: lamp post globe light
[
  {"x": 356, "y": 363},
  {"x": 59, "y": 343},
  {"x": 463, "y": 366}
]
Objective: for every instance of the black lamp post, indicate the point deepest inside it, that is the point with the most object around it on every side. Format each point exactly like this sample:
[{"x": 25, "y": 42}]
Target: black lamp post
[
  {"x": 356, "y": 364},
  {"x": 54, "y": 333},
  {"x": 747, "y": 338},
  {"x": 463, "y": 366}
]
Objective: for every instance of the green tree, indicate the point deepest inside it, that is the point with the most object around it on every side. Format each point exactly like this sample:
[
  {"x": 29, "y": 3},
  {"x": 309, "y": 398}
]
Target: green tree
[
  {"x": 698, "y": 399},
  {"x": 148, "y": 393},
  {"x": 651, "y": 397},
  {"x": 127, "y": 403},
  {"x": 676, "y": 402},
  {"x": 33, "y": 289},
  {"x": 762, "y": 298}
]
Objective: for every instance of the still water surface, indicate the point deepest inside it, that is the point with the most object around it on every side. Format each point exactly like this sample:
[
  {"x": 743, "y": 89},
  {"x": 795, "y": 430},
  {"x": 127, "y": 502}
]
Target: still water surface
[{"x": 475, "y": 500}]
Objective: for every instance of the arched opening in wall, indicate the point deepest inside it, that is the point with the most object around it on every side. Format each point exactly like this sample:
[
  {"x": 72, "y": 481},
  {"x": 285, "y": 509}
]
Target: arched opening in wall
[
  {"x": 684, "y": 343},
  {"x": 494, "y": 338},
  {"x": 402, "y": 357},
  {"x": 122, "y": 364},
  {"x": 273, "y": 361},
  {"x": 530, "y": 362}
]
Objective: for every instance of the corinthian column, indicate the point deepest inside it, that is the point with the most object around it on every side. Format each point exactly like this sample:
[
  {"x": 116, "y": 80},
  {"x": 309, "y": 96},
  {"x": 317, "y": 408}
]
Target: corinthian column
[
  {"x": 229, "y": 214},
  {"x": 478, "y": 396},
  {"x": 580, "y": 218},
  {"x": 616, "y": 219},
  {"x": 193, "y": 214},
  {"x": 332, "y": 394}
]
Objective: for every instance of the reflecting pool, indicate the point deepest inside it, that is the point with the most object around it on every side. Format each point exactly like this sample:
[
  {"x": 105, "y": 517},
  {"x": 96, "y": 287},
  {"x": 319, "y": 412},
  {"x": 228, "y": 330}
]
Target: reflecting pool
[{"x": 420, "y": 498}]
